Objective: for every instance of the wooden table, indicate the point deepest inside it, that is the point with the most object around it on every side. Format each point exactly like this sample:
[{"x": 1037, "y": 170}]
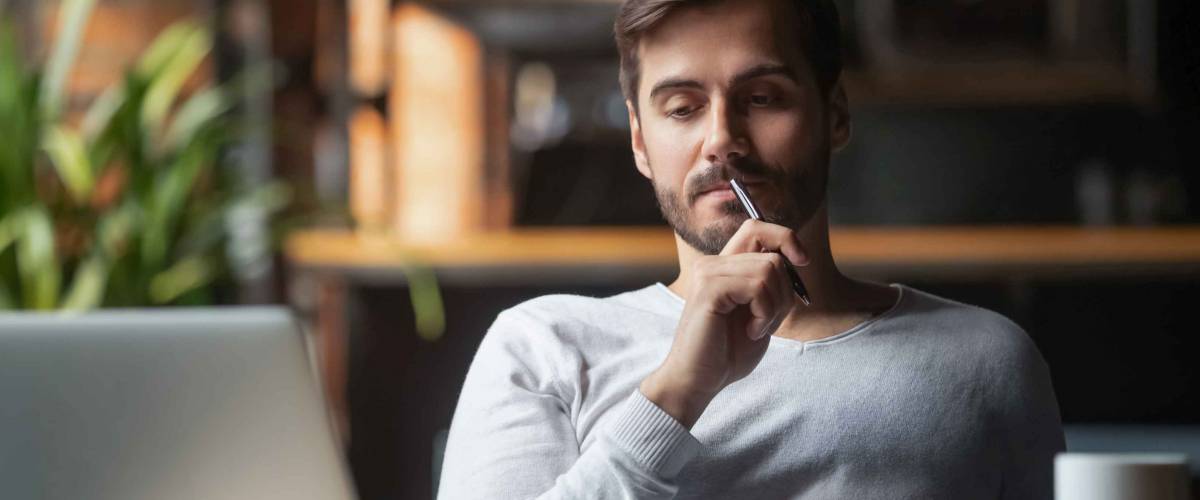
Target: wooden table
[{"x": 336, "y": 259}]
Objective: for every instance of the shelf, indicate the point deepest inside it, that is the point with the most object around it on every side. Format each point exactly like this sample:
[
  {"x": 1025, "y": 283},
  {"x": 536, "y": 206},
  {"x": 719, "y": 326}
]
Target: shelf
[
  {"x": 614, "y": 254},
  {"x": 996, "y": 84}
]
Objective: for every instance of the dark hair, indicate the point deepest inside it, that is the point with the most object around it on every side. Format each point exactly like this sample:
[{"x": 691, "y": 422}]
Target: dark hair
[{"x": 818, "y": 34}]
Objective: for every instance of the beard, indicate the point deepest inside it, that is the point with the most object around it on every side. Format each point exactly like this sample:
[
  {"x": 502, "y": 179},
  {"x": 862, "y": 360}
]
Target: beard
[{"x": 798, "y": 194}]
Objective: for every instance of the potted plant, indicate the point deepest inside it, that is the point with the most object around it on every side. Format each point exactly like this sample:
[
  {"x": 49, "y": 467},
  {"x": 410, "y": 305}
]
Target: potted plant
[{"x": 135, "y": 205}]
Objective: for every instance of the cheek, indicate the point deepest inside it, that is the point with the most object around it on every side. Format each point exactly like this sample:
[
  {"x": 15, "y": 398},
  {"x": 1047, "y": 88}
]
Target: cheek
[
  {"x": 672, "y": 151},
  {"x": 785, "y": 136}
]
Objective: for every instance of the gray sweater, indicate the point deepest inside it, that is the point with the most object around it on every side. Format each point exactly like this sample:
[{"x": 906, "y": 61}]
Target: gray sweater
[{"x": 931, "y": 399}]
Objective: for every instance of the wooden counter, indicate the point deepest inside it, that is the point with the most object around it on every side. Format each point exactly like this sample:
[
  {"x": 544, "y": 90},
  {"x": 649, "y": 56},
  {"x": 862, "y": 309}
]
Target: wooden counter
[{"x": 949, "y": 252}]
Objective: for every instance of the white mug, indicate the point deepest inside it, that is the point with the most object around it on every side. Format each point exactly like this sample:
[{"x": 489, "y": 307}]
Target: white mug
[{"x": 1121, "y": 476}]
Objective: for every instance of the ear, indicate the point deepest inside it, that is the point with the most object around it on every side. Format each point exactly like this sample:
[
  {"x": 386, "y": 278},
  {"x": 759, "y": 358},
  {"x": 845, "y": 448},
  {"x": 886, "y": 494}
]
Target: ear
[
  {"x": 840, "y": 127},
  {"x": 639, "y": 145}
]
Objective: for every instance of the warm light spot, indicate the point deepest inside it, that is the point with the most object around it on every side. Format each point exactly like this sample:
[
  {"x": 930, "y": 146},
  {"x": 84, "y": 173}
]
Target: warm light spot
[
  {"x": 368, "y": 169},
  {"x": 368, "y": 45},
  {"x": 436, "y": 106}
]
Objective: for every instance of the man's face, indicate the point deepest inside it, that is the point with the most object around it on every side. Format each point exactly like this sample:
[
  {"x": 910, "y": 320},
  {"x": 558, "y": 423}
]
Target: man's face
[{"x": 725, "y": 93}]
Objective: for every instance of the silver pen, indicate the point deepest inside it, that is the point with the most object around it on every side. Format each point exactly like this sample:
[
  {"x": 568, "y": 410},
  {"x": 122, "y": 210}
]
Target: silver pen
[{"x": 748, "y": 205}]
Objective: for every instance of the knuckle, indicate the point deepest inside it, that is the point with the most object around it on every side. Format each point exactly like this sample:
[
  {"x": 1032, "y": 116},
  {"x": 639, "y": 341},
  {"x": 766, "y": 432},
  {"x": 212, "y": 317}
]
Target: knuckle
[
  {"x": 751, "y": 227},
  {"x": 766, "y": 267},
  {"x": 766, "y": 298},
  {"x": 763, "y": 288}
]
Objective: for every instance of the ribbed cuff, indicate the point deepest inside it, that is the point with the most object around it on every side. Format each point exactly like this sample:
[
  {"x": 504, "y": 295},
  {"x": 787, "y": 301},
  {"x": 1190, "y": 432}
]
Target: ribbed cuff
[{"x": 653, "y": 438}]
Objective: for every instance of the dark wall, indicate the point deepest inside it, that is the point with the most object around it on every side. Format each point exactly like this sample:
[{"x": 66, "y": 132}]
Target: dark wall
[
  {"x": 993, "y": 165},
  {"x": 1179, "y": 73}
]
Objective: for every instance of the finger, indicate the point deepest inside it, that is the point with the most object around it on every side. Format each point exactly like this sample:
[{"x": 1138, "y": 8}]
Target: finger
[
  {"x": 767, "y": 266},
  {"x": 743, "y": 264},
  {"x": 755, "y": 294},
  {"x": 756, "y": 236},
  {"x": 785, "y": 295}
]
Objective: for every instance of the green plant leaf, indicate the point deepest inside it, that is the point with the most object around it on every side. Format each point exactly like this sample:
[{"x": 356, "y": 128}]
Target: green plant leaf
[
  {"x": 72, "y": 16},
  {"x": 171, "y": 75},
  {"x": 9, "y": 232},
  {"x": 12, "y": 74},
  {"x": 198, "y": 111},
  {"x": 69, "y": 156},
  {"x": 19, "y": 125},
  {"x": 162, "y": 50},
  {"x": 166, "y": 201},
  {"x": 87, "y": 290},
  {"x": 6, "y": 300},
  {"x": 114, "y": 229},
  {"x": 428, "y": 311},
  {"x": 99, "y": 115},
  {"x": 10, "y": 228},
  {"x": 186, "y": 275},
  {"x": 205, "y": 106},
  {"x": 270, "y": 197},
  {"x": 206, "y": 231},
  {"x": 37, "y": 261}
]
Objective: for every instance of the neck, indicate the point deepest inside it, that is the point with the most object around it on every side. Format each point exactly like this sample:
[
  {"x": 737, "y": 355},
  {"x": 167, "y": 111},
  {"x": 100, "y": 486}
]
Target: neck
[{"x": 838, "y": 302}]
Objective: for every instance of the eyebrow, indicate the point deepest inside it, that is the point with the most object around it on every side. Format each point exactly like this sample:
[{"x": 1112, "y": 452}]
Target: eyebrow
[{"x": 738, "y": 79}]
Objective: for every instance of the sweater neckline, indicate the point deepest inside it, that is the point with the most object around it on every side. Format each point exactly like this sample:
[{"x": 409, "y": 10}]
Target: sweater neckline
[{"x": 677, "y": 302}]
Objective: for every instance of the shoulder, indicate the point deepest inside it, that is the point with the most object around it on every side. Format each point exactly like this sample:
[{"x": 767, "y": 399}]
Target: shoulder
[
  {"x": 553, "y": 309},
  {"x": 985, "y": 346},
  {"x": 566, "y": 307},
  {"x": 559, "y": 311},
  {"x": 549, "y": 338},
  {"x": 576, "y": 321},
  {"x": 986, "y": 332}
]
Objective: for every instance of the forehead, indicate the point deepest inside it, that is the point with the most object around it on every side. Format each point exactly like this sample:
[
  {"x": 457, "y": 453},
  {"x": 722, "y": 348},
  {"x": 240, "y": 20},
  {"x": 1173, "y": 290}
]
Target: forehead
[{"x": 715, "y": 40}]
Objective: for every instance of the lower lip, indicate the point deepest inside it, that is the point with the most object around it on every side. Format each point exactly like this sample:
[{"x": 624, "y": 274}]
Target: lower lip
[{"x": 719, "y": 195}]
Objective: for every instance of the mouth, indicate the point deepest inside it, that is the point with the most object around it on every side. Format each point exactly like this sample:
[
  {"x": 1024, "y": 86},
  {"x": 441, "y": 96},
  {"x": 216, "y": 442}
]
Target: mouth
[
  {"x": 719, "y": 194},
  {"x": 723, "y": 190},
  {"x": 713, "y": 184}
]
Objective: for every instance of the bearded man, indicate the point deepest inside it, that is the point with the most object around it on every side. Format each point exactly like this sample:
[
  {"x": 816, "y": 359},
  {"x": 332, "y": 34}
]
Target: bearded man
[{"x": 723, "y": 383}]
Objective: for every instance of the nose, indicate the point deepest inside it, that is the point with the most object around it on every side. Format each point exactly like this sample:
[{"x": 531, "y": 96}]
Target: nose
[{"x": 726, "y": 139}]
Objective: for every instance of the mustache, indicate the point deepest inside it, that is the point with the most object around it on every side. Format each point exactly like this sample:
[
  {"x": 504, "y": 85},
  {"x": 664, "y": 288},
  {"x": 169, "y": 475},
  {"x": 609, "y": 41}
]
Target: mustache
[{"x": 723, "y": 172}]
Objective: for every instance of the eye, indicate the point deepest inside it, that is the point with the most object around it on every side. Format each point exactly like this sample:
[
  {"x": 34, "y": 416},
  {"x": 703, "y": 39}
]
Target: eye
[
  {"x": 681, "y": 112},
  {"x": 761, "y": 100}
]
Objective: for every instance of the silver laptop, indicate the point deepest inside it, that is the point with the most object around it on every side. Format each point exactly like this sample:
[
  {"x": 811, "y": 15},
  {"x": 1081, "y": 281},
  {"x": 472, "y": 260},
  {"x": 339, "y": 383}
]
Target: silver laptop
[{"x": 163, "y": 404}]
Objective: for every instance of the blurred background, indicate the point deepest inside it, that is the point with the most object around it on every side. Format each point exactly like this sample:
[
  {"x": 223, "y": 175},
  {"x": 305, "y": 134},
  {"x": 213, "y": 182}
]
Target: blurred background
[{"x": 400, "y": 172}]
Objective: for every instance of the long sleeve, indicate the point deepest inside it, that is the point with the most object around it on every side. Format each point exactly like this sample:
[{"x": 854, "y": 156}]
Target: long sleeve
[{"x": 513, "y": 435}]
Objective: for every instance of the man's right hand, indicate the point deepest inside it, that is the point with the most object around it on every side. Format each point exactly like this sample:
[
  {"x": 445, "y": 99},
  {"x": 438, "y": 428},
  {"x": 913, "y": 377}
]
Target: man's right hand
[{"x": 737, "y": 299}]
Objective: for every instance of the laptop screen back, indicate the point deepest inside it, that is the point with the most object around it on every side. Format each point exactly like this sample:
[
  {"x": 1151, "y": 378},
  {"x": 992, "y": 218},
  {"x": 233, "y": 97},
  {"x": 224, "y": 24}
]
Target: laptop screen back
[{"x": 153, "y": 404}]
